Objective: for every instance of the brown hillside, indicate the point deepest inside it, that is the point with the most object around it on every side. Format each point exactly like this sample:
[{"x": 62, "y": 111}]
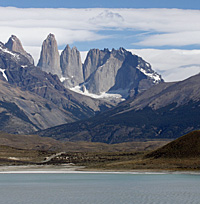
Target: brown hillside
[{"x": 187, "y": 146}]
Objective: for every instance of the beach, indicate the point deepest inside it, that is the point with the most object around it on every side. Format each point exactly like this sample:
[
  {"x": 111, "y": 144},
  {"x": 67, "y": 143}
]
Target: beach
[{"x": 71, "y": 168}]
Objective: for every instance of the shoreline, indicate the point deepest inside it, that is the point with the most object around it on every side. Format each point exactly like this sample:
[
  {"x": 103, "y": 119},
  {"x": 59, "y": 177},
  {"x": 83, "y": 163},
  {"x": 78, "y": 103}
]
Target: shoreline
[{"x": 70, "y": 168}]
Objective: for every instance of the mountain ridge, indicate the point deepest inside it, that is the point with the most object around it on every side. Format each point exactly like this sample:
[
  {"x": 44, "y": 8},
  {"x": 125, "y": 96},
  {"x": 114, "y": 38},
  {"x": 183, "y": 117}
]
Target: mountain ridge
[
  {"x": 103, "y": 71},
  {"x": 139, "y": 118}
]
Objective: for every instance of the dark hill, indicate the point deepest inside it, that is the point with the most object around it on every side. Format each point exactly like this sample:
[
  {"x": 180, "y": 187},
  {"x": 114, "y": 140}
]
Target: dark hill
[
  {"x": 187, "y": 146},
  {"x": 165, "y": 111}
]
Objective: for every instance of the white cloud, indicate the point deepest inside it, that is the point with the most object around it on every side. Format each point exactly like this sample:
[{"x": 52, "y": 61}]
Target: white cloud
[
  {"x": 70, "y": 25},
  {"x": 172, "y": 39},
  {"x": 173, "y": 27},
  {"x": 34, "y": 51}
]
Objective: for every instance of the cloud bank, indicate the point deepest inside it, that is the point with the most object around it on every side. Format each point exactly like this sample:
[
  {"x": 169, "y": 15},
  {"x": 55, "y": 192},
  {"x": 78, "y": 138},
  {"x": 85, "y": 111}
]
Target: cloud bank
[
  {"x": 173, "y": 65},
  {"x": 162, "y": 26},
  {"x": 149, "y": 28}
]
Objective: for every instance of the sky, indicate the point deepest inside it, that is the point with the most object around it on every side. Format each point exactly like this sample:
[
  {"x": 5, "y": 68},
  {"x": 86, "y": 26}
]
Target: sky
[{"x": 165, "y": 33}]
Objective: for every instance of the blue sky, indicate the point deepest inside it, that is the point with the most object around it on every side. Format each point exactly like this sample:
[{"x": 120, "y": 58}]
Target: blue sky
[
  {"x": 183, "y": 4},
  {"x": 166, "y": 33}
]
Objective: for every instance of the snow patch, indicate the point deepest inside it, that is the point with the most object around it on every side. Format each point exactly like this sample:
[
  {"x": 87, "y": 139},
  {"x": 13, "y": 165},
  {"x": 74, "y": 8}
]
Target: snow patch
[
  {"x": 4, "y": 74},
  {"x": 103, "y": 95},
  {"x": 156, "y": 77},
  {"x": 63, "y": 79},
  {"x": 24, "y": 66},
  {"x": 9, "y": 52}
]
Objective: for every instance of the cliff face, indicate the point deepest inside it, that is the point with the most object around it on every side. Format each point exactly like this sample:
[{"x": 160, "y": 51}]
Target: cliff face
[
  {"x": 49, "y": 58},
  {"x": 94, "y": 59},
  {"x": 71, "y": 66},
  {"x": 117, "y": 71},
  {"x": 14, "y": 44}
]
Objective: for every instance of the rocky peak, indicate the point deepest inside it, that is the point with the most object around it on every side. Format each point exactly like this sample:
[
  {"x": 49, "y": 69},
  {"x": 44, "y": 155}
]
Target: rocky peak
[
  {"x": 12, "y": 60},
  {"x": 71, "y": 66},
  {"x": 49, "y": 57},
  {"x": 117, "y": 71},
  {"x": 14, "y": 44}
]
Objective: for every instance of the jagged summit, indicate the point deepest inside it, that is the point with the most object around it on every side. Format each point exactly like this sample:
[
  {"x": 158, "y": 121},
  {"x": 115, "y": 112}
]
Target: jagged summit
[
  {"x": 14, "y": 44},
  {"x": 117, "y": 72},
  {"x": 49, "y": 57}
]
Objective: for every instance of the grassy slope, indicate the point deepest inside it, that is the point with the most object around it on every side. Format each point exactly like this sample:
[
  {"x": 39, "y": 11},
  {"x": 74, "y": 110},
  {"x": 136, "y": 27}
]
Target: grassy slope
[
  {"x": 187, "y": 146},
  {"x": 181, "y": 154},
  {"x": 15, "y": 156},
  {"x": 20, "y": 149}
]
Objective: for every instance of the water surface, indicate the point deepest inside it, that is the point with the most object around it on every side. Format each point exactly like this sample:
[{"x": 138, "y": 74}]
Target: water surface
[{"x": 75, "y": 188}]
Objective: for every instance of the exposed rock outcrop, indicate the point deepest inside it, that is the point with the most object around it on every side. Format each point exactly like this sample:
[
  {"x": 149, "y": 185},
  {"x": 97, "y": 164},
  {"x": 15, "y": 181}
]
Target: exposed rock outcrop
[
  {"x": 95, "y": 58},
  {"x": 117, "y": 71},
  {"x": 71, "y": 66},
  {"x": 14, "y": 44},
  {"x": 49, "y": 57}
]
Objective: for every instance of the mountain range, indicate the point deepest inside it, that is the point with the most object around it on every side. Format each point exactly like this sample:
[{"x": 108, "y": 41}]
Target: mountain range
[
  {"x": 38, "y": 97},
  {"x": 104, "y": 71},
  {"x": 130, "y": 101}
]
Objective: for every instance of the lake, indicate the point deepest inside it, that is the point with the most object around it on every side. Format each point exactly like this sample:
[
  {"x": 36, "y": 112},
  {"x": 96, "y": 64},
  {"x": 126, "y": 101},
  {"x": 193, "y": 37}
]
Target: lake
[{"x": 96, "y": 188}]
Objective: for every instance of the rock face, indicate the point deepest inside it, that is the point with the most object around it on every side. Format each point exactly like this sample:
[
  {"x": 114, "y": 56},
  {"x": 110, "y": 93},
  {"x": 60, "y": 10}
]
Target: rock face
[
  {"x": 71, "y": 66},
  {"x": 15, "y": 45},
  {"x": 49, "y": 58},
  {"x": 95, "y": 58},
  {"x": 117, "y": 71},
  {"x": 112, "y": 72}
]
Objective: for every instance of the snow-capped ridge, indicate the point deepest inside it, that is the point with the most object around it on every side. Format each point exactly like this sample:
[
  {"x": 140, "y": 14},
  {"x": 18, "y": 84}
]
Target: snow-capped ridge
[{"x": 153, "y": 75}]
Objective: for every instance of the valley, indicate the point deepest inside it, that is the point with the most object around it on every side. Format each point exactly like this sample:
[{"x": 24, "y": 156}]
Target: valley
[
  {"x": 48, "y": 118},
  {"x": 150, "y": 156}
]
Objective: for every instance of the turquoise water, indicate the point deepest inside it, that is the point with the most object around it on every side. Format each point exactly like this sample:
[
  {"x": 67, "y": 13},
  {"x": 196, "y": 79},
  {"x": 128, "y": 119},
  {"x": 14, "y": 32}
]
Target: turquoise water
[{"x": 75, "y": 188}]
